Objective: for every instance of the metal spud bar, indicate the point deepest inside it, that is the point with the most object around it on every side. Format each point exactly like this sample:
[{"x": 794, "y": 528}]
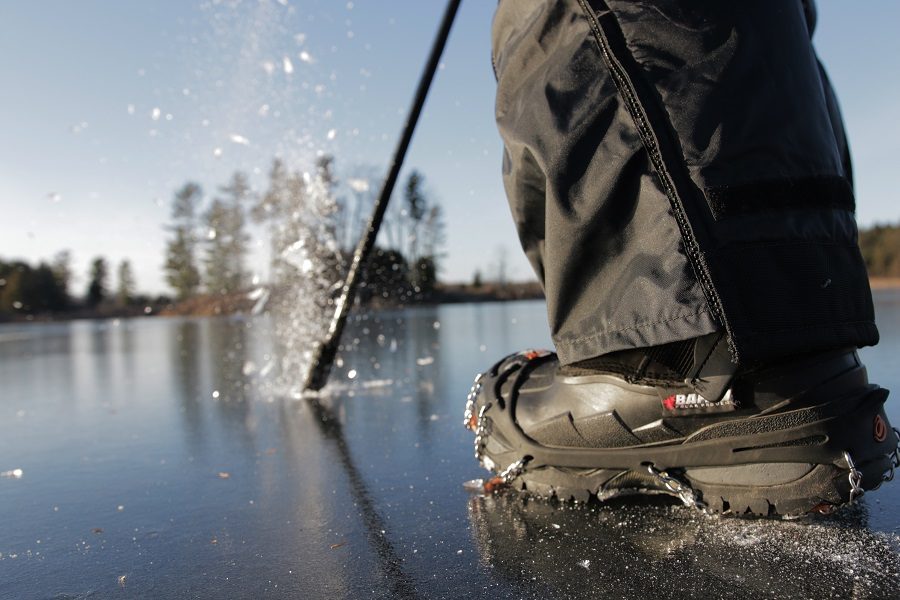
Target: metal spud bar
[{"x": 327, "y": 349}]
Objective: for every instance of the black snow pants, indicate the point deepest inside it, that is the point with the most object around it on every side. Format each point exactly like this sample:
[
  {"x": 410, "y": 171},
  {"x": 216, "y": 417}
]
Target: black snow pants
[{"x": 679, "y": 167}]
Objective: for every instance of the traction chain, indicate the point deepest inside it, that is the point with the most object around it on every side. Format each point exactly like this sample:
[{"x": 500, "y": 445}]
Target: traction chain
[
  {"x": 470, "y": 400},
  {"x": 685, "y": 492},
  {"x": 855, "y": 475}
]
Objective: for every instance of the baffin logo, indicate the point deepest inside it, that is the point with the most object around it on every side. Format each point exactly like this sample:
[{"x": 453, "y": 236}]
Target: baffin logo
[{"x": 694, "y": 400}]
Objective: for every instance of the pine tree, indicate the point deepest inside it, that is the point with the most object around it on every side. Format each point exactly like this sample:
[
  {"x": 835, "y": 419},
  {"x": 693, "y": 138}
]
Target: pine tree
[
  {"x": 62, "y": 272},
  {"x": 181, "y": 269},
  {"x": 227, "y": 244},
  {"x": 125, "y": 290},
  {"x": 97, "y": 287}
]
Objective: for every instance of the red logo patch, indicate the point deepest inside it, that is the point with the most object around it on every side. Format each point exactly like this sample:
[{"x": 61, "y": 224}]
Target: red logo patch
[
  {"x": 880, "y": 429},
  {"x": 669, "y": 403}
]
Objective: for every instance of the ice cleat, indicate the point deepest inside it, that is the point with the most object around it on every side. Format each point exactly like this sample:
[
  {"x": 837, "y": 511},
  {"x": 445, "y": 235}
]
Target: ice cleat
[{"x": 806, "y": 436}]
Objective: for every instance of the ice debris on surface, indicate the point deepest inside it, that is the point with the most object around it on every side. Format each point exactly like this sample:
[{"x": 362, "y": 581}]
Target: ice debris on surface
[
  {"x": 837, "y": 556},
  {"x": 12, "y": 474}
]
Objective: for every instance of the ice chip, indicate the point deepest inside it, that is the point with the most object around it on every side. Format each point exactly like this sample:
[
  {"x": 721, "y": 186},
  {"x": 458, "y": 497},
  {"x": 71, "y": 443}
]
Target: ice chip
[
  {"x": 155, "y": 113},
  {"x": 474, "y": 485},
  {"x": 239, "y": 139},
  {"x": 584, "y": 564},
  {"x": 332, "y": 133},
  {"x": 305, "y": 57},
  {"x": 351, "y": 374},
  {"x": 217, "y": 152},
  {"x": 377, "y": 383},
  {"x": 358, "y": 185},
  {"x": 287, "y": 65},
  {"x": 425, "y": 360},
  {"x": 268, "y": 66},
  {"x": 260, "y": 303},
  {"x": 13, "y": 474},
  {"x": 130, "y": 109},
  {"x": 267, "y": 368}
]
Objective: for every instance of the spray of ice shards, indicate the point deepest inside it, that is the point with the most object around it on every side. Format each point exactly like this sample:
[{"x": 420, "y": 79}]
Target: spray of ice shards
[{"x": 307, "y": 267}]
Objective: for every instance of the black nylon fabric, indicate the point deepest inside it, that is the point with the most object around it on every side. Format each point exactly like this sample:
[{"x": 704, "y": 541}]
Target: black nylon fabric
[{"x": 667, "y": 164}]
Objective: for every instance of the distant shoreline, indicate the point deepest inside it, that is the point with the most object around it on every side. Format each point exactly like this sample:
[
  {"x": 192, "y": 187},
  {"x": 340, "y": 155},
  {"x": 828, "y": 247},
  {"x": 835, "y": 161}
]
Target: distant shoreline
[
  {"x": 240, "y": 303},
  {"x": 884, "y": 283}
]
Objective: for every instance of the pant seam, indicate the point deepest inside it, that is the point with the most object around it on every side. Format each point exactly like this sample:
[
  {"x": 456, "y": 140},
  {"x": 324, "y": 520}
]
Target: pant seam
[{"x": 650, "y": 139}]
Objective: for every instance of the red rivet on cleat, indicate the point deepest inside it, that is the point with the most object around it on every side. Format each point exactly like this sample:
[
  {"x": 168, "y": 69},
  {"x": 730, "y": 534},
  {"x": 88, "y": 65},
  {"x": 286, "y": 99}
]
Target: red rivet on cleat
[
  {"x": 823, "y": 508},
  {"x": 880, "y": 429}
]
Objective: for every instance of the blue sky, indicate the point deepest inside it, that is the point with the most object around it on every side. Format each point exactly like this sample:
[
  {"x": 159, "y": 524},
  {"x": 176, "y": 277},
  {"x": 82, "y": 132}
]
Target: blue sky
[{"x": 107, "y": 107}]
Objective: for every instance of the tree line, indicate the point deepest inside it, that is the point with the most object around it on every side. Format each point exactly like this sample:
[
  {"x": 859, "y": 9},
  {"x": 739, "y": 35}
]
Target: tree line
[
  {"x": 880, "y": 246},
  {"x": 312, "y": 230},
  {"x": 312, "y": 222},
  {"x": 47, "y": 287}
]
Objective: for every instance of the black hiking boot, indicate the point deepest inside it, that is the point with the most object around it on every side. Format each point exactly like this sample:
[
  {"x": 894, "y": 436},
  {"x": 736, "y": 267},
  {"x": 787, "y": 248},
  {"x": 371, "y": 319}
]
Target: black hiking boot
[{"x": 806, "y": 436}]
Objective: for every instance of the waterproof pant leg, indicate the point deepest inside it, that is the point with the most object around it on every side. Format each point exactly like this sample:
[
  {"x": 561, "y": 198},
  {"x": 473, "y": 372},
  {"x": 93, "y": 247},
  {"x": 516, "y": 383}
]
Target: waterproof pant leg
[{"x": 678, "y": 167}]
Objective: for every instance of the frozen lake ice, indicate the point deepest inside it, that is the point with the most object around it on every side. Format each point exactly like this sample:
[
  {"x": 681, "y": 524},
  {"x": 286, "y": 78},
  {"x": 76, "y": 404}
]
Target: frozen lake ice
[{"x": 160, "y": 458}]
